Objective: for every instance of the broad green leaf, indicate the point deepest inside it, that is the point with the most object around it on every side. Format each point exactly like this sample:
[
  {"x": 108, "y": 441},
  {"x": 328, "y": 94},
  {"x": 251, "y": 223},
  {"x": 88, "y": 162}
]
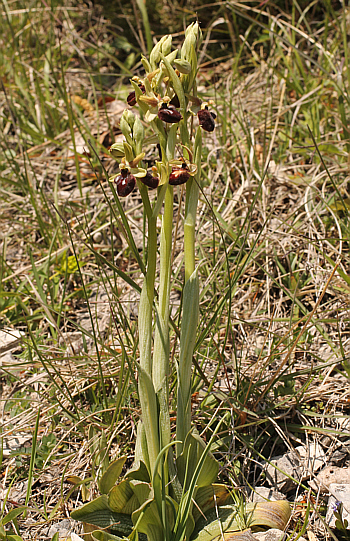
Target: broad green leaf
[
  {"x": 205, "y": 498},
  {"x": 100, "y": 504},
  {"x": 147, "y": 521},
  {"x": 262, "y": 514},
  {"x": 193, "y": 450},
  {"x": 104, "y": 518},
  {"x": 271, "y": 514},
  {"x": 119, "y": 496},
  {"x": 100, "y": 535},
  {"x": 12, "y": 515},
  {"x": 111, "y": 475},
  {"x": 142, "y": 490},
  {"x": 139, "y": 472}
]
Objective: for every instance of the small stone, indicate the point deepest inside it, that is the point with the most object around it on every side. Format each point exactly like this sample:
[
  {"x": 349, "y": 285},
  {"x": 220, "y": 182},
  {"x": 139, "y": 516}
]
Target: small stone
[
  {"x": 97, "y": 237},
  {"x": 298, "y": 464},
  {"x": 279, "y": 471},
  {"x": 64, "y": 528},
  {"x": 329, "y": 475},
  {"x": 273, "y": 535},
  {"x": 9, "y": 339},
  {"x": 261, "y": 494},
  {"x": 339, "y": 493}
]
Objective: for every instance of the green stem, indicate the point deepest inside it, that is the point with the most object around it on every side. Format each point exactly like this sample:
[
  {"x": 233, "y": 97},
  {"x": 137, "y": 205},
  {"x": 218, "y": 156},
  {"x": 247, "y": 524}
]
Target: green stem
[
  {"x": 146, "y": 300},
  {"x": 190, "y": 304},
  {"x": 146, "y": 389},
  {"x": 192, "y": 193},
  {"x": 161, "y": 340}
]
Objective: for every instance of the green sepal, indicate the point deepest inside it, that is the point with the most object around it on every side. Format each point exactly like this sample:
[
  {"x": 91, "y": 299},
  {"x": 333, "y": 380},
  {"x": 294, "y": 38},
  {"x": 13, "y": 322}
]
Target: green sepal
[
  {"x": 166, "y": 45},
  {"x": 129, "y": 155},
  {"x": 117, "y": 151},
  {"x": 146, "y": 64},
  {"x": 183, "y": 66}
]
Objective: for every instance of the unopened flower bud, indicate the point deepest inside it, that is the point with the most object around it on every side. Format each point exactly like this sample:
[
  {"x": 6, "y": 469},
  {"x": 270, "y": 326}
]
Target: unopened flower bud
[
  {"x": 117, "y": 150},
  {"x": 166, "y": 45},
  {"x": 182, "y": 66}
]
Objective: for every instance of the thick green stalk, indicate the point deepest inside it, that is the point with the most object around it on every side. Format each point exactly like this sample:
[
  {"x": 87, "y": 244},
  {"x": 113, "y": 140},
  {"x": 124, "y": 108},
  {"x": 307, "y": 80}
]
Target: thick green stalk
[
  {"x": 192, "y": 193},
  {"x": 190, "y": 304},
  {"x": 161, "y": 340},
  {"x": 146, "y": 389},
  {"x": 187, "y": 343},
  {"x": 146, "y": 300}
]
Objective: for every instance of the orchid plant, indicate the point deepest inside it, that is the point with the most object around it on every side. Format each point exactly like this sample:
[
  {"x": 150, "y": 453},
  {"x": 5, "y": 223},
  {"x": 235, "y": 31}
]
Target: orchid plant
[{"x": 170, "y": 493}]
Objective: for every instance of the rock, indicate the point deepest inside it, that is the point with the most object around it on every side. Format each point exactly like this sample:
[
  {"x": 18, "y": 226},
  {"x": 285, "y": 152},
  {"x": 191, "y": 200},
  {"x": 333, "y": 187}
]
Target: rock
[
  {"x": 273, "y": 535},
  {"x": 261, "y": 494},
  {"x": 9, "y": 339},
  {"x": 339, "y": 493},
  {"x": 245, "y": 535},
  {"x": 329, "y": 475},
  {"x": 313, "y": 457},
  {"x": 64, "y": 528},
  {"x": 285, "y": 471},
  {"x": 340, "y": 455},
  {"x": 278, "y": 468}
]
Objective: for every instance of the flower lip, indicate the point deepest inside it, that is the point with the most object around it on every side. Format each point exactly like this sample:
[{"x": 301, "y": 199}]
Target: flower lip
[
  {"x": 131, "y": 99},
  {"x": 206, "y": 119},
  {"x": 169, "y": 114},
  {"x": 150, "y": 180},
  {"x": 125, "y": 183},
  {"x": 179, "y": 176}
]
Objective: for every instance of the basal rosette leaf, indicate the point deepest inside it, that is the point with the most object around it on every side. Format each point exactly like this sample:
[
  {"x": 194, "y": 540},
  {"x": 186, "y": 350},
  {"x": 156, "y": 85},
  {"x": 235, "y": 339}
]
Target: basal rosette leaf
[
  {"x": 261, "y": 514},
  {"x": 187, "y": 462},
  {"x": 122, "y": 498},
  {"x": 147, "y": 520},
  {"x": 208, "y": 497},
  {"x": 98, "y": 513},
  {"x": 111, "y": 475}
]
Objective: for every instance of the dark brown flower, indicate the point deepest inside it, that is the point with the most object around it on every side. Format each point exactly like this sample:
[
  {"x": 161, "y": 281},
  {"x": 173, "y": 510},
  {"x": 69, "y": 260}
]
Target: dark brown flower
[
  {"x": 169, "y": 114},
  {"x": 125, "y": 183},
  {"x": 206, "y": 119},
  {"x": 179, "y": 176},
  {"x": 131, "y": 99},
  {"x": 150, "y": 181}
]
